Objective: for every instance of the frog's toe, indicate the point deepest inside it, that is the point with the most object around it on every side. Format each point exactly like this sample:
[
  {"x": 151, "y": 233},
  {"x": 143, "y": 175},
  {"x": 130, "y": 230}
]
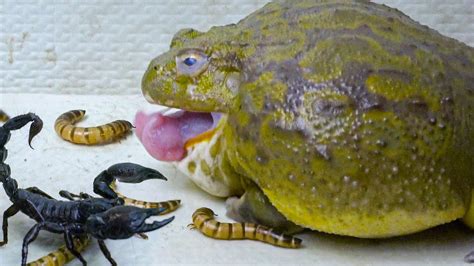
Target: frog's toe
[{"x": 232, "y": 209}]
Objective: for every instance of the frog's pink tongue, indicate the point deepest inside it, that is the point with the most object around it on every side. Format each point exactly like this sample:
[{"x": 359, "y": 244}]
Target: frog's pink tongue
[{"x": 164, "y": 136}]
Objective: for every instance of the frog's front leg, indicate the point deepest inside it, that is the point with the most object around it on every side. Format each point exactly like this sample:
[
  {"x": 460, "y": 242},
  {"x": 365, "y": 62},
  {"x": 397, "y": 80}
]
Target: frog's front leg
[
  {"x": 258, "y": 220},
  {"x": 254, "y": 207}
]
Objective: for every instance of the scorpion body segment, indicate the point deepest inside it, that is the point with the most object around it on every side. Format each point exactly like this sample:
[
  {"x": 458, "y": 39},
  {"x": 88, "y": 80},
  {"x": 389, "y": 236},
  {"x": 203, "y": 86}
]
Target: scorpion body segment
[
  {"x": 81, "y": 216},
  {"x": 203, "y": 220},
  {"x": 64, "y": 127}
]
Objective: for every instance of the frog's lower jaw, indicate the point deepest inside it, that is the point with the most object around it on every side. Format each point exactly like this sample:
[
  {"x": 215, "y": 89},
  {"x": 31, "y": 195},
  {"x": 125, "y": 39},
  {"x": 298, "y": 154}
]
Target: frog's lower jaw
[
  {"x": 468, "y": 218},
  {"x": 194, "y": 142},
  {"x": 205, "y": 164}
]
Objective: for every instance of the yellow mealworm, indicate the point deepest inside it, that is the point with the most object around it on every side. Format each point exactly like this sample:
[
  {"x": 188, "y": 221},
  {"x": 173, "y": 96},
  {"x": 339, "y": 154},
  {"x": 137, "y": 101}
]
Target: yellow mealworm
[
  {"x": 109, "y": 132},
  {"x": 203, "y": 220},
  {"x": 62, "y": 255},
  {"x": 169, "y": 205},
  {"x": 3, "y": 116}
]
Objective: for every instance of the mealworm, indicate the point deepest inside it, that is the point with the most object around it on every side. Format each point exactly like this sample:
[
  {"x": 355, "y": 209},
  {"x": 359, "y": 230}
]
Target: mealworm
[
  {"x": 169, "y": 205},
  {"x": 62, "y": 255},
  {"x": 3, "y": 116},
  {"x": 109, "y": 132},
  {"x": 203, "y": 220}
]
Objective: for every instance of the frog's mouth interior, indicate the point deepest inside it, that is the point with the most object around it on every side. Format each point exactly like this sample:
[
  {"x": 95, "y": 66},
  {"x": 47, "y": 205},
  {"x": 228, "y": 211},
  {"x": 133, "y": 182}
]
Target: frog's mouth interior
[{"x": 166, "y": 137}]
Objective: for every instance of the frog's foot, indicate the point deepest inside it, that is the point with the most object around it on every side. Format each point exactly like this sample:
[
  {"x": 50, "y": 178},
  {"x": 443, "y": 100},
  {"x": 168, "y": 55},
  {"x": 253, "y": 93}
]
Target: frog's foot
[
  {"x": 469, "y": 258},
  {"x": 254, "y": 207}
]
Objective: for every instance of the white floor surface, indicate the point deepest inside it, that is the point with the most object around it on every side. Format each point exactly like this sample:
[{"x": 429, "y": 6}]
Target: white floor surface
[{"x": 55, "y": 164}]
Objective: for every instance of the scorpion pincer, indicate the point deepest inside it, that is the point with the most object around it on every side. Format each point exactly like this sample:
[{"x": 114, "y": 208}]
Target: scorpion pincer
[{"x": 100, "y": 218}]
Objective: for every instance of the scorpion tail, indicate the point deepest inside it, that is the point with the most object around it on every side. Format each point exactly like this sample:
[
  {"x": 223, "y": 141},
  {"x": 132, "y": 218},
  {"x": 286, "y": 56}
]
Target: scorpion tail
[
  {"x": 20, "y": 121},
  {"x": 9, "y": 184}
]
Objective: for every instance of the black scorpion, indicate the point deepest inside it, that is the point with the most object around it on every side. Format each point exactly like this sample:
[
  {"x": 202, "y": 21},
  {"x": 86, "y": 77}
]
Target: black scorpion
[{"x": 101, "y": 218}]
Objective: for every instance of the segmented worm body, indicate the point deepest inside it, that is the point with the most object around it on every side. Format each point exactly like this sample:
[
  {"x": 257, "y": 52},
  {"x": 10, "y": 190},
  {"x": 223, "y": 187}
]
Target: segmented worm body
[
  {"x": 3, "y": 116},
  {"x": 169, "y": 205},
  {"x": 102, "y": 134},
  {"x": 62, "y": 255},
  {"x": 203, "y": 219}
]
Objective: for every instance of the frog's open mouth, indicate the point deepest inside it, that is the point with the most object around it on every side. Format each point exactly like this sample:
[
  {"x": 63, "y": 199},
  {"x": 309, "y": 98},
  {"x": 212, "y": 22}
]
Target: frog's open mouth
[{"x": 167, "y": 137}]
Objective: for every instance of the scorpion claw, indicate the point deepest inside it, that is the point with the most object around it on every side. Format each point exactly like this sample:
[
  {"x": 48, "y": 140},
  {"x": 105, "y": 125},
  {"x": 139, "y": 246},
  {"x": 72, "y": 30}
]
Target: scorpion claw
[
  {"x": 155, "y": 225},
  {"x": 133, "y": 173},
  {"x": 122, "y": 222},
  {"x": 35, "y": 129},
  {"x": 124, "y": 172}
]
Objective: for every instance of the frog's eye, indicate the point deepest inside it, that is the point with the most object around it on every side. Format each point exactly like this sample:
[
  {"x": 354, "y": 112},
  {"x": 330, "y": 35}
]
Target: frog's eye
[{"x": 191, "y": 62}]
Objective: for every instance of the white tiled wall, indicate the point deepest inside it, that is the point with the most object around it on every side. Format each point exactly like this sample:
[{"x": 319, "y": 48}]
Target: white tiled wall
[{"x": 103, "y": 46}]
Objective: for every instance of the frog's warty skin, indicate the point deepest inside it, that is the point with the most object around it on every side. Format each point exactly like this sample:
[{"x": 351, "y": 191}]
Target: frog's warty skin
[
  {"x": 203, "y": 220},
  {"x": 102, "y": 134},
  {"x": 3, "y": 116},
  {"x": 62, "y": 255},
  {"x": 350, "y": 117}
]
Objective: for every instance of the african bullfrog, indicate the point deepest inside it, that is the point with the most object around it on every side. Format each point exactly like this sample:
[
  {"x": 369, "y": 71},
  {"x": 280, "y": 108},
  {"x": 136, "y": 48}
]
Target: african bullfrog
[{"x": 345, "y": 117}]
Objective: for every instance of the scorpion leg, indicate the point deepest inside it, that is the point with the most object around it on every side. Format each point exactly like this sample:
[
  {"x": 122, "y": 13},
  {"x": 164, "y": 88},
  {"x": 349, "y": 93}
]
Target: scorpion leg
[
  {"x": 68, "y": 195},
  {"x": 38, "y": 191},
  {"x": 71, "y": 196},
  {"x": 106, "y": 252},
  {"x": 84, "y": 195},
  {"x": 62, "y": 255},
  {"x": 71, "y": 247},
  {"x": 26, "y": 205},
  {"x": 142, "y": 236},
  {"x": 33, "y": 234},
  {"x": 30, "y": 237},
  {"x": 12, "y": 210}
]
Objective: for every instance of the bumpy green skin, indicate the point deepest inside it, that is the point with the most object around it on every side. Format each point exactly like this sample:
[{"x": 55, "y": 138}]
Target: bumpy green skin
[{"x": 352, "y": 118}]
